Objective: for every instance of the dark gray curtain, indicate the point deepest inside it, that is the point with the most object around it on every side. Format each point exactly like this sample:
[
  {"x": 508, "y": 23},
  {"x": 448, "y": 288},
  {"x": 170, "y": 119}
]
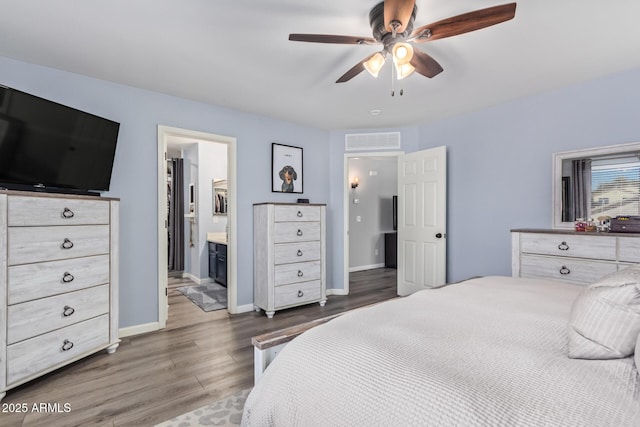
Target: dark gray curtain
[
  {"x": 581, "y": 188},
  {"x": 176, "y": 215}
]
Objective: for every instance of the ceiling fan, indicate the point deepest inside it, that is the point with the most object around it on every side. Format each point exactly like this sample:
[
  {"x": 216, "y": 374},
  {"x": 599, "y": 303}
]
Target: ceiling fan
[{"x": 392, "y": 26}]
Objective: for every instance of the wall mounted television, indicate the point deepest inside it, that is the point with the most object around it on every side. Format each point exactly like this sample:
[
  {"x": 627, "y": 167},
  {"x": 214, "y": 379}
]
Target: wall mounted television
[{"x": 46, "y": 146}]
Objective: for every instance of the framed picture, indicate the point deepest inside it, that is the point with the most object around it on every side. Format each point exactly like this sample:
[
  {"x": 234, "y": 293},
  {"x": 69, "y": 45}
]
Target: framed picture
[{"x": 286, "y": 169}]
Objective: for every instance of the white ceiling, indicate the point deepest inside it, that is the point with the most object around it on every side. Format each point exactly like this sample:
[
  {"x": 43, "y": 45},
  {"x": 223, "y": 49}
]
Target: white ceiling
[{"x": 236, "y": 53}]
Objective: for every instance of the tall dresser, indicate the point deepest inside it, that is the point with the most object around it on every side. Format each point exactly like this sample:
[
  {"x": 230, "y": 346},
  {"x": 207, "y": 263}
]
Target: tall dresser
[
  {"x": 577, "y": 257},
  {"x": 58, "y": 282},
  {"x": 289, "y": 255}
]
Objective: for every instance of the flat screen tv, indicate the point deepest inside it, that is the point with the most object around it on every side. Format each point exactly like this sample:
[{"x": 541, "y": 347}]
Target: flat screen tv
[{"x": 46, "y": 146}]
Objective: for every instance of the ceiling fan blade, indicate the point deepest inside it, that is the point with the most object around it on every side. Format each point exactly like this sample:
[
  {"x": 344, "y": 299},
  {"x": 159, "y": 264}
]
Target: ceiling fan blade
[
  {"x": 464, "y": 23},
  {"x": 354, "y": 71},
  {"x": 330, "y": 38},
  {"x": 425, "y": 64},
  {"x": 400, "y": 11}
]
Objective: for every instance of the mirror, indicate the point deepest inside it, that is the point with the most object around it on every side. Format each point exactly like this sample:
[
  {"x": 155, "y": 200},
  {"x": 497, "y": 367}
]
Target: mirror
[
  {"x": 596, "y": 182},
  {"x": 219, "y": 197}
]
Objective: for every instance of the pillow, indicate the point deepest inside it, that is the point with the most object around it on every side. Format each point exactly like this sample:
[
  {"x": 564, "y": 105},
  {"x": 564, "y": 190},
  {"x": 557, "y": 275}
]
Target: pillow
[{"x": 605, "y": 317}]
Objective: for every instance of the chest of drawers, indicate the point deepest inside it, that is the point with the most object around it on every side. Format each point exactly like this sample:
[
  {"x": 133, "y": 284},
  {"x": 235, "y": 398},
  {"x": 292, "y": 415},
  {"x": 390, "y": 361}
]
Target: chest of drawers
[
  {"x": 289, "y": 256},
  {"x": 577, "y": 257},
  {"x": 58, "y": 282}
]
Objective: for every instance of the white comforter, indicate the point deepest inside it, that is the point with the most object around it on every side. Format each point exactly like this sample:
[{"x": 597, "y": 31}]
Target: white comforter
[{"x": 486, "y": 352}]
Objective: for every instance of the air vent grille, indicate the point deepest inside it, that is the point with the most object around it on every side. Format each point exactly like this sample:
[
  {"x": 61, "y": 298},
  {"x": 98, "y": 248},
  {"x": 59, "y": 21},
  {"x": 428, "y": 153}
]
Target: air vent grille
[{"x": 372, "y": 141}]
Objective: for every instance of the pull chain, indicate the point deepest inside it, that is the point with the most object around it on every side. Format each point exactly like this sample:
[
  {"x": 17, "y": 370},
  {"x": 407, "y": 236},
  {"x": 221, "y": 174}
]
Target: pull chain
[{"x": 393, "y": 83}]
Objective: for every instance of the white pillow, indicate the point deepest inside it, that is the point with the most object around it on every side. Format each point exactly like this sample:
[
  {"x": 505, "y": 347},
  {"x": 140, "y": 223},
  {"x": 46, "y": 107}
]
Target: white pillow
[{"x": 605, "y": 318}]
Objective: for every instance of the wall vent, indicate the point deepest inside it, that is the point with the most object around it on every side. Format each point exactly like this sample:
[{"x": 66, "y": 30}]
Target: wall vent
[{"x": 372, "y": 141}]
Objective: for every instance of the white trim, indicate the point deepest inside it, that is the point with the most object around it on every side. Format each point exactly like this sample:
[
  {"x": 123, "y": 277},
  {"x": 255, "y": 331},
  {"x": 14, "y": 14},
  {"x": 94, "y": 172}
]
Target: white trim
[
  {"x": 138, "y": 329},
  {"x": 346, "y": 188},
  {"x": 556, "y": 186},
  {"x": 365, "y": 267},
  {"x": 341, "y": 292},
  {"x": 164, "y": 132},
  {"x": 197, "y": 280},
  {"x": 244, "y": 308}
]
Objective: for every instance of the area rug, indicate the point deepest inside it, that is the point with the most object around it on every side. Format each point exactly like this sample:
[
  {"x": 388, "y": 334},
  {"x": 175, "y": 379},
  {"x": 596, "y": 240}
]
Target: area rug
[
  {"x": 209, "y": 297},
  {"x": 225, "y": 412}
]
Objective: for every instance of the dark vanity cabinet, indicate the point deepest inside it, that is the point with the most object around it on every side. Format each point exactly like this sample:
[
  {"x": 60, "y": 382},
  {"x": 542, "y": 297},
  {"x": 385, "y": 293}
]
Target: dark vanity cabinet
[{"x": 218, "y": 262}]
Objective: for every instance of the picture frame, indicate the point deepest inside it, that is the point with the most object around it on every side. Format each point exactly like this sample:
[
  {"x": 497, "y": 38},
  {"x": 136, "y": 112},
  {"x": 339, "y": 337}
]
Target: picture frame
[{"x": 286, "y": 169}]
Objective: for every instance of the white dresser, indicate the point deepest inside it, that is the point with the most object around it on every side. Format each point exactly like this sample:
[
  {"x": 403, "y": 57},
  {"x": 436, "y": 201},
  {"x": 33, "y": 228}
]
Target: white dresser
[
  {"x": 58, "y": 282},
  {"x": 577, "y": 257},
  {"x": 288, "y": 255}
]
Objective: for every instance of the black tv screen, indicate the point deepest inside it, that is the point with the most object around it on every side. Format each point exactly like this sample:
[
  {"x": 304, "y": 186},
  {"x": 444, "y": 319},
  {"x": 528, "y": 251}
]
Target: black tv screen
[{"x": 47, "y": 146}]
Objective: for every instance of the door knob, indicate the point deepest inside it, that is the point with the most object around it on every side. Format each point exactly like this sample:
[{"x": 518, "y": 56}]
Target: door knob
[{"x": 439, "y": 236}]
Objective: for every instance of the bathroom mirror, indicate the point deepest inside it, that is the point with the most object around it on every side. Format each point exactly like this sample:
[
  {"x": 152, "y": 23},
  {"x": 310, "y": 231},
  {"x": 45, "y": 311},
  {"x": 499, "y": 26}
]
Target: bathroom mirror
[
  {"x": 219, "y": 197},
  {"x": 596, "y": 182}
]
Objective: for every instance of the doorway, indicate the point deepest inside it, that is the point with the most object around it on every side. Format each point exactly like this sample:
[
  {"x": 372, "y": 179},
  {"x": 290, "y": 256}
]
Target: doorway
[
  {"x": 200, "y": 214},
  {"x": 421, "y": 218},
  {"x": 368, "y": 209}
]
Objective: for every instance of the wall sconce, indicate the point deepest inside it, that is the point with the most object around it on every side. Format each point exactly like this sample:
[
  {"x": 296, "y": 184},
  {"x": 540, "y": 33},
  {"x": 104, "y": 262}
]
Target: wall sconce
[{"x": 355, "y": 183}]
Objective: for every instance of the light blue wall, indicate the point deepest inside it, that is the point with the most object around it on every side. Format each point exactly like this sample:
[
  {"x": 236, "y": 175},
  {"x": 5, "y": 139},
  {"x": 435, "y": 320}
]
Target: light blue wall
[
  {"x": 500, "y": 162},
  {"x": 499, "y": 167},
  {"x": 135, "y": 169}
]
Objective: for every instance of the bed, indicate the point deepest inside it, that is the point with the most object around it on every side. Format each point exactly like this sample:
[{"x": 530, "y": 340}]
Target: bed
[{"x": 487, "y": 351}]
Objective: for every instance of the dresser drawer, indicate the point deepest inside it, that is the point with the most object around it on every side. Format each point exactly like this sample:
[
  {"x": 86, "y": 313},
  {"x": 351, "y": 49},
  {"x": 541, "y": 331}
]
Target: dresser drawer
[
  {"x": 284, "y": 232},
  {"x": 296, "y": 213},
  {"x": 40, "y": 280},
  {"x": 284, "y": 253},
  {"x": 37, "y": 317},
  {"x": 596, "y": 247},
  {"x": 629, "y": 249},
  {"x": 297, "y": 293},
  {"x": 37, "y": 244},
  {"x": 34, "y": 211},
  {"x": 46, "y": 351},
  {"x": 570, "y": 270},
  {"x": 296, "y": 272}
]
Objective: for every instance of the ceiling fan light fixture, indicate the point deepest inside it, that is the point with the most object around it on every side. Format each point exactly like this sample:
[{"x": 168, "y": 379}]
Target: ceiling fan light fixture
[
  {"x": 404, "y": 70},
  {"x": 374, "y": 64},
  {"x": 402, "y": 53}
]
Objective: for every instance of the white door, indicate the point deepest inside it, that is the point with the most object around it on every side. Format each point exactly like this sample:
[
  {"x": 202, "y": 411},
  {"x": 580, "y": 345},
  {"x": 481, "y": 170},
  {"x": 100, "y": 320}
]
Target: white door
[{"x": 422, "y": 209}]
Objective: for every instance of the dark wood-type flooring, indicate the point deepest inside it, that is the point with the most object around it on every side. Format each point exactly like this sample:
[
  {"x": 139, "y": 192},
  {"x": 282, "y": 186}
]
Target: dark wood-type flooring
[{"x": 199, "y": 358}]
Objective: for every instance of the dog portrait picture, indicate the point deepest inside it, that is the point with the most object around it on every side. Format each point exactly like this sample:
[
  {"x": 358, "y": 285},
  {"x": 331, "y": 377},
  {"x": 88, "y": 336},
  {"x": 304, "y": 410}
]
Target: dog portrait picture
[
  {"x": 288, "y": 175},
  {"x": 286, "y": 169}
]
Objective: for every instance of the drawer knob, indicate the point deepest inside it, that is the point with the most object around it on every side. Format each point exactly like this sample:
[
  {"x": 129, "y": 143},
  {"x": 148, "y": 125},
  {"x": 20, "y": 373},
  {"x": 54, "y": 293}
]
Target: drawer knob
[
  {"x": 300, "y": 273},
  {"x": 67, "y": 277},
  {"x": 67, "y": 244},
  {"x": 299, "y": 233},
  {"x": 67, "y": 345},
  {"x": 300, "y": 294},
  {"x": 563, "y": 246},
  {"x": 299, "y": 214},
  {"x": 564, "y": 270},
  {"x": 67, "y": 213},
  {"x": 299, "y": 252},
  {"x": 68, "y": 311}
]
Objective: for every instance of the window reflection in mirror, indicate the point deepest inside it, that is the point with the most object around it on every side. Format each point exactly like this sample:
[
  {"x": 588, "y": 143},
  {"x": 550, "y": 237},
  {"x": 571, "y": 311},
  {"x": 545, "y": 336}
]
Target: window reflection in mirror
[{"x": 596, "y": 183}]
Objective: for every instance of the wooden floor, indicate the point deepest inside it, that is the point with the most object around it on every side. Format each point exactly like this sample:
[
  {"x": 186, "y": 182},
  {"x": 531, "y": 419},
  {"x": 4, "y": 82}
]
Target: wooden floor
[{"x": 198, "y": 359}]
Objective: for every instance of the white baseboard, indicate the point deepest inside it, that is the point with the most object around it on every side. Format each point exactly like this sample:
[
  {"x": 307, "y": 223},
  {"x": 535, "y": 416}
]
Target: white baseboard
[
  {"x": 244, "y": 308},
  {"x": 336, "y": 292},
  {"x": 197, "y": 280},
  {"x": 138, "y": 329},
  {"x": 365, "y": 267}
]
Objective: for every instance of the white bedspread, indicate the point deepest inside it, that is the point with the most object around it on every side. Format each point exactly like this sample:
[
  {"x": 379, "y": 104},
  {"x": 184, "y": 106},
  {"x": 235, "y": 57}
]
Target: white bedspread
[{"x": 486, "y": 352}]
